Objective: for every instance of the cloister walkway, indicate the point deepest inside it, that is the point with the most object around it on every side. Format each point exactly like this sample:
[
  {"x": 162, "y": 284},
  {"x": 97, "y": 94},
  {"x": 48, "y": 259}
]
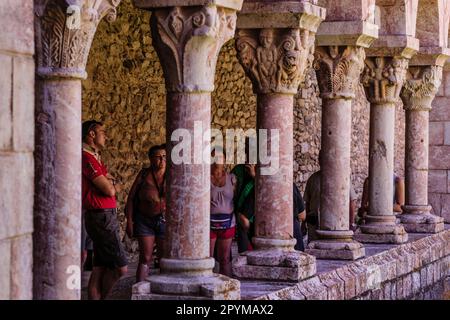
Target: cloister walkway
[{"x": 254, "y": 289}]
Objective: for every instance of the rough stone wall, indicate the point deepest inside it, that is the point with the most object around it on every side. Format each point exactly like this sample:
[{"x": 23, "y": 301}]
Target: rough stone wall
[
  {"x": 408, "y": 271},
  {"x": 125, "y": 89},
  {"x": 439, "y": 156},
  {"x": 16, "y": 148}
]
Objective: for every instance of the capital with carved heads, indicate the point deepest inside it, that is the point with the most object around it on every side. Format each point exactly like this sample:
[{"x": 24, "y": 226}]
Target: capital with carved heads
[
  {"x": 274, "y": 59},
  {"x": 383, "y": 78},
  {"x": 64, "y": 32}
]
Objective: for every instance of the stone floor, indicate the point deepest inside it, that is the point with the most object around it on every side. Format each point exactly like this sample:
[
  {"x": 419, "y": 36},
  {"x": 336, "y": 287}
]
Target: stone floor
[{"x": 249, "y": 289}]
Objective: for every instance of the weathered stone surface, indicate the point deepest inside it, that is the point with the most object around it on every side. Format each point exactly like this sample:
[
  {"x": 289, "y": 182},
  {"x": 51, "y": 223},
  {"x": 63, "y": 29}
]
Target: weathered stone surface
[
  {"x": 6, "y": 125},
  {"x": 437, "y": 180},
  {"x": 447, "y": 133},
  {"x": 17, "y": 26},
  {"x": 440, "y": 111},
  {"x": 437, "y": 130},
  {"x": 169, "y": 287},
  {"x": 313, "y": 289},
  {"x": 335, "y": 285},
  {"x": 435, "y": 202},
  {"x": 23, "y": 102},
  {"x": 439, "y": 157},
  {"x": 5, "y": 270},
  {"x": 21, "y": 266},
  {"x": 16, "y": 200},
  {"x": 293, "y": 266},
  {"x": 336, "y": 249},
  {"x": 445, "y": 207}
]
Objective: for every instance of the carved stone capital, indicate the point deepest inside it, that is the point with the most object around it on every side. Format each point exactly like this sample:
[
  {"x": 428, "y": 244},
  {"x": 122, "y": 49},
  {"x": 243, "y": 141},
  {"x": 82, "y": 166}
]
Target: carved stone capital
[
  {"x": 338, "y": 70},
  {"x": 64, "y": 34},
  {"x": 188, "y": 41},
  {"x": 421, "y": 86},
  {"x": 383, "y": 78},
  {"x": 275, "y": 59}
]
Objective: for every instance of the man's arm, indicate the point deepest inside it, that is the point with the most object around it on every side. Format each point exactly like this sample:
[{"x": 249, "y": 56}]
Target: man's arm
[
  {"x": 105, "y": 186},
  {"x": 399, "y": 195}
]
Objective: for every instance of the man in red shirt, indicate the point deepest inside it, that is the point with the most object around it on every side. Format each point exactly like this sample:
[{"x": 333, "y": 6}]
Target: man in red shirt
[{"x": 99, "y": 205}]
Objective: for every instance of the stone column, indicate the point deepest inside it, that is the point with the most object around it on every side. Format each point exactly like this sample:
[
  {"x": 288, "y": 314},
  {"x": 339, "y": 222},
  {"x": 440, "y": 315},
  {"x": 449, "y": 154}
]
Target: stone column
[
  {"x": 338, "y": 73},
  {"x": 383, "y": 79},
  {"x": 63, "y": 38},
  {"x": 275, "y": 59},
  {"x": 418, "y": 93},
  {"x": 188, "y": 40}
]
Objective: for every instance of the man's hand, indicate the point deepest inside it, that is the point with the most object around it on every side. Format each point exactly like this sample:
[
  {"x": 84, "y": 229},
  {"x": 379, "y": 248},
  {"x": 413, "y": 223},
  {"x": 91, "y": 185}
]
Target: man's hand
[
  {"x": 302, "y": 216},
  {"x": 245, "y": 223}
]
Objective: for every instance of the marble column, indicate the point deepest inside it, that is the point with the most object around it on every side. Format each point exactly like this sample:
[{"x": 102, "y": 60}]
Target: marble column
[
  {"x": 188, "y": 40},
  {"x": 338, "y": 72},
  {"x": 275, "y": 60},
  {"x": 63, "y": 39},
  {"x": 418, "y": 94},
  {"x": 383, "y": 79}
]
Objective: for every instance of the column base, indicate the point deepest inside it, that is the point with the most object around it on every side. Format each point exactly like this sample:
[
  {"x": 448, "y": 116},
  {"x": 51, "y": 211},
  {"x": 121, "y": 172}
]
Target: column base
[
  {"x": 336, "y": 250},
  {"x": 274, "y": 264},
  {"x": 394, "y": 234},
  {"x": 182, "y": 287},
  {"x": 418, "y": 219}
]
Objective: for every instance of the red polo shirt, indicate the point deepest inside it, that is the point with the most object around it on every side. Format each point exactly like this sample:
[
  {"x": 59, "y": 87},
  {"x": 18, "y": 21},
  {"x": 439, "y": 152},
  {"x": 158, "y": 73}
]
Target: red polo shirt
[{"x": 92, "y": 197}]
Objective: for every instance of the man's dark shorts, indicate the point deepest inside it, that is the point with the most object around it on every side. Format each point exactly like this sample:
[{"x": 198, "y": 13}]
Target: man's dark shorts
[
  {"x": 103, "y": 228},
  {"x": 149, "y": 226}
]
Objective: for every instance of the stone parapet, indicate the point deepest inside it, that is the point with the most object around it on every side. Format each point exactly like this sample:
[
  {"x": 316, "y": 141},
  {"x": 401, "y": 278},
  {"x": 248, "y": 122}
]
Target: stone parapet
[{"x": 403, "y": 272}]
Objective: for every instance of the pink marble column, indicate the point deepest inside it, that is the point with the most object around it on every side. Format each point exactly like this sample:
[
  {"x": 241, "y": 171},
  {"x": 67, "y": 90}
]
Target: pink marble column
[
  {"x": 383, "y": 79},
  {"x": 62, "y": 46},
  {"x": 188, "y": 40},
  {"x": 275, "y": 60},
  {"x": 338, "y": 73},
  {"x": 417, "y": 95},
  {"x": 274, "y": 191}
]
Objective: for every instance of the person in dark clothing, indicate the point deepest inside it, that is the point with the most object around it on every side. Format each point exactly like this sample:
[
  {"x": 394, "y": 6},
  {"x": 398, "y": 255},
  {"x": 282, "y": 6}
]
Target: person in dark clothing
[{"x": 245, "y": 208}]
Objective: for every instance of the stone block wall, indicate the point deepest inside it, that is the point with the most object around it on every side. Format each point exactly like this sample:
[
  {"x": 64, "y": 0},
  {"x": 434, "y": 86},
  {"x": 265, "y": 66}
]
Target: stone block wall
[
  {"x": 439, "y": 163},
  {"x": 125, "y": 89},
  {"x": 16, "y": 148},
  {"x": 408, "y": 271}
]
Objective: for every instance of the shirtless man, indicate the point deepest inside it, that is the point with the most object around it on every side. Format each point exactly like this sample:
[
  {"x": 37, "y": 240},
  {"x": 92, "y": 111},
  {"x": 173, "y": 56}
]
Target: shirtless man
[{"x": 145, "y": 209}]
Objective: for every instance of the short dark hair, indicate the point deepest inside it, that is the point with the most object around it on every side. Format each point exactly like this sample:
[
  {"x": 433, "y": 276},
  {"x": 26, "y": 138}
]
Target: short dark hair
[
  {"x": 88, "y": 126},
  {"x": 153, "y": 149}
]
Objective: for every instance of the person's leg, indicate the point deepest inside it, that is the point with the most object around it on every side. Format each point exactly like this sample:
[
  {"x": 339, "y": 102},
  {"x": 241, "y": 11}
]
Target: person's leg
[
  {"x": 110, "y": 278},
  {"x": 223, "y": 252},
  {"x": 312, "y": 234},
  {"x": 242, "y": 239},
  {"x": 212, "y": 245},
  {"x": 145, "y": 256},
  {"x": 298, "y": 236},
  {"x": 95, "y": 283},
  {"x": 159, "y": 248},
  {"x": 84, "y": 254}
]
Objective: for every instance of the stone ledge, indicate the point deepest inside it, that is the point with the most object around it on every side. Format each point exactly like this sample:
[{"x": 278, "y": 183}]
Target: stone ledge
[{"x": 398, "y": 273}]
